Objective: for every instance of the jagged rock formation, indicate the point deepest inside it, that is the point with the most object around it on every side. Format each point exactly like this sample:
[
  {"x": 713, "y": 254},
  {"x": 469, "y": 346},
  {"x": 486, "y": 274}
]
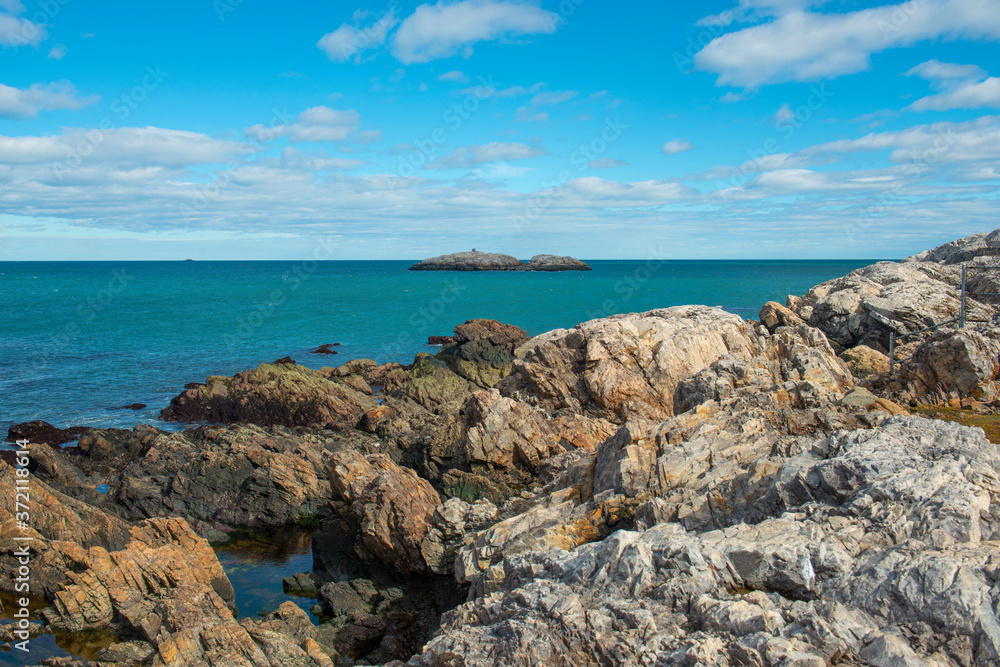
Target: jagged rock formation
[
  {"x": 872, "y": 546},
  {"x": 864, "y": 306},
  {"x": 392, "y": 504},
  {"x": 271, "y": 394},
  {"x": 167, "y": 588},
  {"x": 951, "y": 367},
  {"x": 961, "y": 250}
]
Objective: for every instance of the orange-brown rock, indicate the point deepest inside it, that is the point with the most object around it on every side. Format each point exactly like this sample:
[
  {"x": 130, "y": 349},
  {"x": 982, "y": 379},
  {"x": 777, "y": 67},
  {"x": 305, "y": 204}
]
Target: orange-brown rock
[
  {"x": 271, "y": 394},
  {"x": 393, "y": 506},
  {"x": 507, "y": 433},
  {"x": 774, "y": 315},
  {"x": 53, "y": 518}
]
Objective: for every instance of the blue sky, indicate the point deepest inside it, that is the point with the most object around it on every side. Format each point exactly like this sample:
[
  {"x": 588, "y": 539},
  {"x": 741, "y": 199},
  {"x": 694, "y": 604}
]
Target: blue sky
[{"x": 238, "y": 129}]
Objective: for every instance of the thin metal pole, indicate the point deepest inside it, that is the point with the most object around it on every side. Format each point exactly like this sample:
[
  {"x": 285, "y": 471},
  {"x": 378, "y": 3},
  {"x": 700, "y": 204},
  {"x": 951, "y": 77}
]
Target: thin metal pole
[
  {"x": 961, "y": 315},
  {"x": 892, "y": 351}
]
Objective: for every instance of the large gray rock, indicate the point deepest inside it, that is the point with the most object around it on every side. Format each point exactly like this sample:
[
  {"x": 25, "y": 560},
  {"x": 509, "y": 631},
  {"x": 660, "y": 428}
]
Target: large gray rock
[
  {"x": 874, "y": 546},
  {"x": 950, "y": 366},
  {"x": 961, "y": 250},
  {"x": 866, "y": 305},
  {"x": 626, "y": 366},
  {"x": 863, "y": 307}
]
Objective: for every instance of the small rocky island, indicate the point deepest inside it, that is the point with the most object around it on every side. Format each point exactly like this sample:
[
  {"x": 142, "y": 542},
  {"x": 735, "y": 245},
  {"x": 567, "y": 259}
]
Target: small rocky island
[{"x": 493, "y": 261}]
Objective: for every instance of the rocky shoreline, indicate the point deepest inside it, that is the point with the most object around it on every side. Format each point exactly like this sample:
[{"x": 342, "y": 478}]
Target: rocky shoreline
[
  {"x": 487, "y": 261},
  {"x": 675, "y": 487}
]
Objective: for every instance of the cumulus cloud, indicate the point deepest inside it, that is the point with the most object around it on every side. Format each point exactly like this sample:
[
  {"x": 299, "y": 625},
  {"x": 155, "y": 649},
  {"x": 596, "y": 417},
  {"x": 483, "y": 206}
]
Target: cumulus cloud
[
  {"x": 448, "y": 28},
  {"x": 57, "y": 52},
  {"x": 675, "y": 146},
  {"x": 784, "y": 114},
  {"x": 349, "y": 41},
  {"x": 318, "y": 161},
  {"x": 613, "y": 194},
  {"x": 553, "y": 97},
  {"x": 17, "y": 32},
  {"x": 923, "y": 146},
  {"x": 315, "y": 124},
  {"x": 471, "y": 156},
  {"x": 368, "y": 137},
  {"x": 606, "y": 163},
  {"x": 800, "y": 45},
  {"x": 455, "y": 76},
  {"x": 961, "y": 86},
  {"x": 27, "y": 102},
  {"x": 129, "y": 146}
]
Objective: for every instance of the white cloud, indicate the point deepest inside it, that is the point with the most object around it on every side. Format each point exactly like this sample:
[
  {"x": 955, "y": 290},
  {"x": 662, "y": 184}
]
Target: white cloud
[
  {"x": 808, "y": 46},
  {"x": 962, "y": 86},
  {"x": 613, "y": 194},
  {"x": 606, "y": 163},
  {"x": 319, "y": 161},
  {"x": 675, "y": 146},
  {"x": 470, "y": 156},
  {"x": 784, "y": 114},
  {"x": 315, "y": 124},
  {"x": 27, "y": 102},
  {"x": 368, "y": 137},
  {"x": 349, "y": 41},
  {"x": 935, "y": 70},
  {"x": 553, "y": 97},
  {"x": 57, "y": 52},
  {"x": 967, "y": 95},
  {"x": 448, "y": 28},
  {"x": 128, "y": 146},
  {"x": 923, "y": 146},
  {"x": 17, "y": 32},
  {"x": 139, "y": 179},
  {"x": 455, "y": 76},
  {"x": 526, "y": 115}
]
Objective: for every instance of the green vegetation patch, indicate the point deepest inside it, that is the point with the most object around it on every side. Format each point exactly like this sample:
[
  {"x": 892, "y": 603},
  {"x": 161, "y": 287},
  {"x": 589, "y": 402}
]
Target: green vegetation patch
[{"x": 989, "y": 423}]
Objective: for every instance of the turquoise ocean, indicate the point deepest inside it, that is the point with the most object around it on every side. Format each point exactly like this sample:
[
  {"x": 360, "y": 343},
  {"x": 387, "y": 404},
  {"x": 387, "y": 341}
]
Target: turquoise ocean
[{"x": 80, "y": 340}]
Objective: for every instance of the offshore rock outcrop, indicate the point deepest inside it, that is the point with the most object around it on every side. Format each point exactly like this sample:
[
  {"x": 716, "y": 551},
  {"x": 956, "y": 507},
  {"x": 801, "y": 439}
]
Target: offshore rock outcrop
[
  {"x": 43, "y": 432},
  {"x": 488, "y": 261},
  {"x": 469, "y": 261},
  {"x": 554, "y": 263}
]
